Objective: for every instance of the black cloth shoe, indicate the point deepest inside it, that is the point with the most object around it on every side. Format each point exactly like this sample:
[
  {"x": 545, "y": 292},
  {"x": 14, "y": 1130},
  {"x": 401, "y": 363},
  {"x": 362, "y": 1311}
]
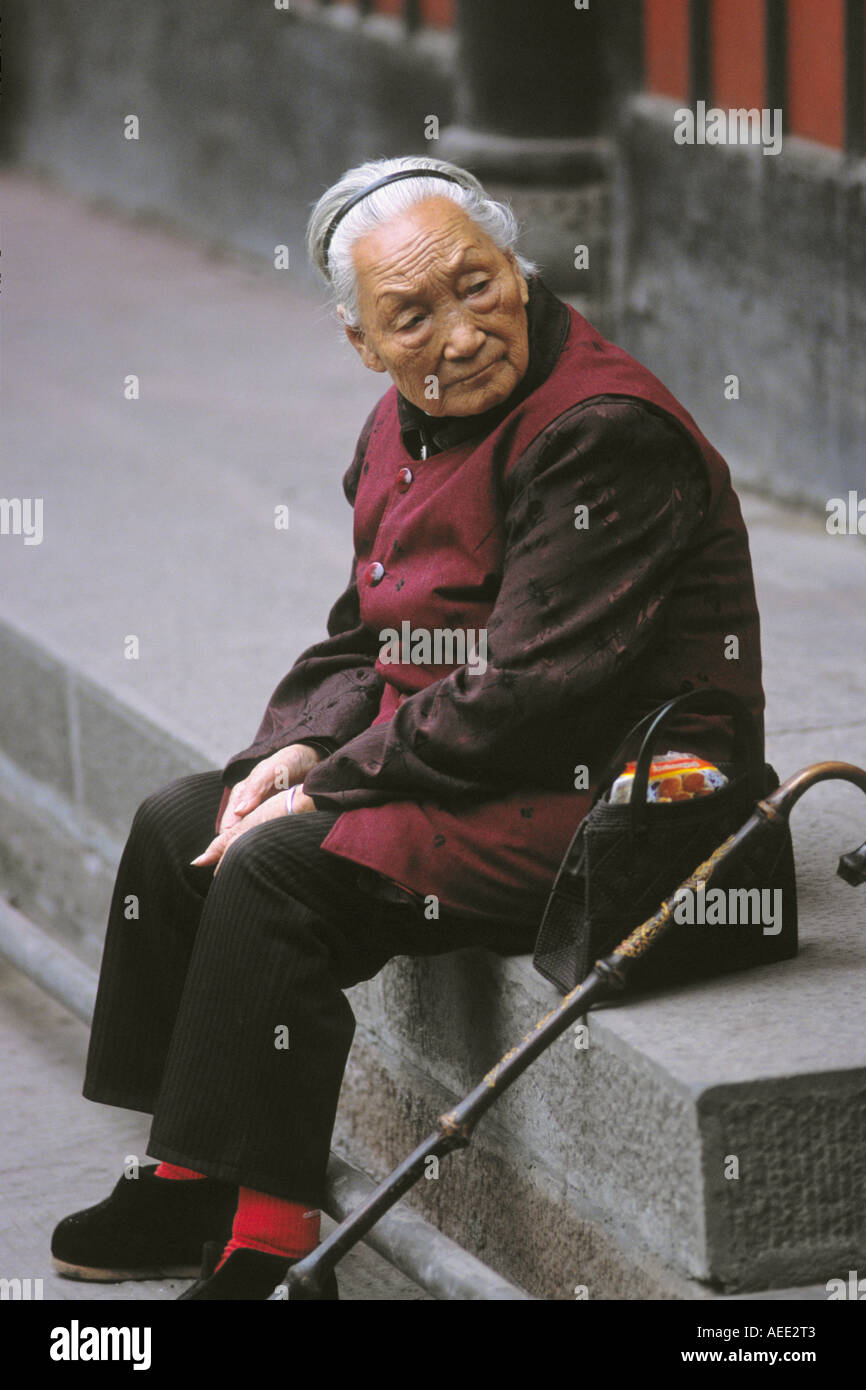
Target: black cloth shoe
[
  {"x": 149, "y": 1228},
  {"x": 247, "y": 1274}
]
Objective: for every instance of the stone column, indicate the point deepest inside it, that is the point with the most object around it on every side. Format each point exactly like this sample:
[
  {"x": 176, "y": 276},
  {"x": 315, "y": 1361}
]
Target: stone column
[{"x": 538, "y": 86}]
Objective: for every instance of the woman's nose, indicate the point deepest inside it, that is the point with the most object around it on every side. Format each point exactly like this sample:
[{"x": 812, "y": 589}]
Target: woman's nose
[{"x": 463, "y": 338}]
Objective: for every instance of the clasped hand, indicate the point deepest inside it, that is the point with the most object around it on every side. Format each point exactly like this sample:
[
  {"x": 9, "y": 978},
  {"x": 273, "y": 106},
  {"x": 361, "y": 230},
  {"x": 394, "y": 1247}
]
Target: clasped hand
[{"x": 261, "y": 796}]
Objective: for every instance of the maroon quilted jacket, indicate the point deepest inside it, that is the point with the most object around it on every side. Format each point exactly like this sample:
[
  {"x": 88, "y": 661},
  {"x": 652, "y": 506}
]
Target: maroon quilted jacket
[{"x": 591, "y": 532}]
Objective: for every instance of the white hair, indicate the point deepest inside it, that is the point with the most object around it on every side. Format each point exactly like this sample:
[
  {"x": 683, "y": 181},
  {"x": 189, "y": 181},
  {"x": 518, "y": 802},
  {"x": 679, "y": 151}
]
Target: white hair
[{"x": 496, "y": 219}]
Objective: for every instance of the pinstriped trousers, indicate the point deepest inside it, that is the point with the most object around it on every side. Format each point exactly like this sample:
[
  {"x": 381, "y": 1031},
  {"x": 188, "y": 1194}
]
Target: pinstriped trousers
[{"x": 204, "y": 977}]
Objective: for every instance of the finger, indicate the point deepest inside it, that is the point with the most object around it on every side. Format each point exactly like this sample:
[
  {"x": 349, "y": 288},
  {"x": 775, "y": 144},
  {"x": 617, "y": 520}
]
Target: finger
[
  {"x": 261, "y": 783},
  {"x": 231, "y": 818},
  {"x": 274, "y": 774},
  {"x": 214, "y": 851},
  {"x": 242, "y": 799}
]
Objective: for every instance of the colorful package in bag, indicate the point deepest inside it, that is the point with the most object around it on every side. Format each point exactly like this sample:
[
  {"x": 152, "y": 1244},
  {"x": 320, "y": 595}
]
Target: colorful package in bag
[{"x": 672, "y": 777}]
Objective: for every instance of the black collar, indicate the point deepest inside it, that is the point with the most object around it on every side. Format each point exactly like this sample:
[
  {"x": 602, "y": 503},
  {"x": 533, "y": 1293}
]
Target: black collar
[{"x": 548, "y": 321}]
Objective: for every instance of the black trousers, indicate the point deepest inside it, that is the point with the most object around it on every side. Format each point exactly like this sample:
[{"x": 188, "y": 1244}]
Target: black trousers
[{"x": 220, "y": 1009}]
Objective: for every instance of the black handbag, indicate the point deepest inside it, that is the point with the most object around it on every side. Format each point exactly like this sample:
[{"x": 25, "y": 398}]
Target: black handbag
[{"x": 626, "y": 858}]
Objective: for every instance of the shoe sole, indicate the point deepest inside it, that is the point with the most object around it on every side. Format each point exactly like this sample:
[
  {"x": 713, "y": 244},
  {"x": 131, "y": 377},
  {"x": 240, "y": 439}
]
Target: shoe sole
[{"x": 117, "y": 1276}]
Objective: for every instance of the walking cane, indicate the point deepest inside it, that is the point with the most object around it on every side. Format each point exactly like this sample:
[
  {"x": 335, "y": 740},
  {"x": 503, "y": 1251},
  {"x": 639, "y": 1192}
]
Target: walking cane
[{"x": 607, "y": 978}]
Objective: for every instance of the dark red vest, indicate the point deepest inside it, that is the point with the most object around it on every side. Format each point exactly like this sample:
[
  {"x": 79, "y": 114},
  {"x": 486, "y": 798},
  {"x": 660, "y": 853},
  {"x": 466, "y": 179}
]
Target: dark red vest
[{"x": 446, "y": 530}]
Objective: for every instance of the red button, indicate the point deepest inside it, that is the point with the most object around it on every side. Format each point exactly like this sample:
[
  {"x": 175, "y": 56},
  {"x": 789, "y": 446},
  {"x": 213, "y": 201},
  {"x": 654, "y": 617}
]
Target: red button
[
  {"x": 405, "y": 479},
  {"x": 375, "y": 573}
]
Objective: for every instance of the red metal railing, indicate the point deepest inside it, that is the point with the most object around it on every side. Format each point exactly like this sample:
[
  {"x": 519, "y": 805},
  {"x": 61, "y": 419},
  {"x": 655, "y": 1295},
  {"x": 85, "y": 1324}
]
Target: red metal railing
[
  {"x": 666, "y": 47},
  {"x": 738, "y": 57},
  {"x": 816, "y": 69},
  {"x": 806, "y": 56}
]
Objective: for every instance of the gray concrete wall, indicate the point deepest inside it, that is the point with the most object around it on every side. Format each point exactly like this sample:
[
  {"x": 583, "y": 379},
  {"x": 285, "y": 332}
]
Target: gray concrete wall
[
  {"x": 732, "y": 261},
  {"x": 246, "y": 113}
]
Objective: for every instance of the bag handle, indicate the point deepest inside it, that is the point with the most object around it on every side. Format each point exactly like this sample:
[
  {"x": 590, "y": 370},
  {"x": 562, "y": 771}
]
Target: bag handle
[
  {"x": 748, "y": 742},
  {"x": 616, "y": 760}
]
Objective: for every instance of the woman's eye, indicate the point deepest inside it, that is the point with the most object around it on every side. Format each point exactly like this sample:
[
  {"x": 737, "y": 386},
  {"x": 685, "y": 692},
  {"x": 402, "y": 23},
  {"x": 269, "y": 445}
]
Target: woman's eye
[
  {"x": 413, "y": 322},
  {"x": 478, "y": 287}
]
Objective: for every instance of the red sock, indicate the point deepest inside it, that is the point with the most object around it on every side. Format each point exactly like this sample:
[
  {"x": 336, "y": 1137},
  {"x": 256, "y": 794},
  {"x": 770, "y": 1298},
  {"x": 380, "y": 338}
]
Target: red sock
[
  {"x": 171, "y": 1170},
  {"x": 272, "y": 1225}
]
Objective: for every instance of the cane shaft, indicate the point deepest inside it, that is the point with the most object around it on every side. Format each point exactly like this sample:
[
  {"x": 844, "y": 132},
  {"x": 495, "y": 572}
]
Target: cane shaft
[
  {"x": 455, "y": 1128},
  {"x": 607, "y": 978},
  {"x": 310, "y": 1272},
  {"x": 598, "y": 985}
]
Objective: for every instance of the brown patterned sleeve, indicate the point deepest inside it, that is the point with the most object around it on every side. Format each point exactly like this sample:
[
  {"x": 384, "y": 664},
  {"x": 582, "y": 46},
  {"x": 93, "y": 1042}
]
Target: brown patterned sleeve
[{"x": 575, "y": 609}]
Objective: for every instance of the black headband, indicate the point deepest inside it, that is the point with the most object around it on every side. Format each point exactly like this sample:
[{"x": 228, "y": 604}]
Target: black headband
[{"x": 380, "y": 183}]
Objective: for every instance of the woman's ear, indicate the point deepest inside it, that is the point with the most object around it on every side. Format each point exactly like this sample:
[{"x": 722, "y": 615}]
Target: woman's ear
[
  {"x": 520, "y": 277},
  {"x": 359, "y": 342}
]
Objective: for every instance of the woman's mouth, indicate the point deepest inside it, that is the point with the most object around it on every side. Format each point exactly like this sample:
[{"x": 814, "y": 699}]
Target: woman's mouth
[{"x": 472, "y": 376}]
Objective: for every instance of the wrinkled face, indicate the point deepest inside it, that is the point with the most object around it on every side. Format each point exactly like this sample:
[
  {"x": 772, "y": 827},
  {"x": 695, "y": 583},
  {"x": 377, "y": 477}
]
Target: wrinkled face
[{"x": 441, "y": 310}]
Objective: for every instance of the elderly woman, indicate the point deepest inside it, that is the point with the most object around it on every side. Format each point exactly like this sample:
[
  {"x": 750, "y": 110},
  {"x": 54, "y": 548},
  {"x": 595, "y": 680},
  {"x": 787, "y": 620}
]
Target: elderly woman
[{"x": 546, "y": 547}]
